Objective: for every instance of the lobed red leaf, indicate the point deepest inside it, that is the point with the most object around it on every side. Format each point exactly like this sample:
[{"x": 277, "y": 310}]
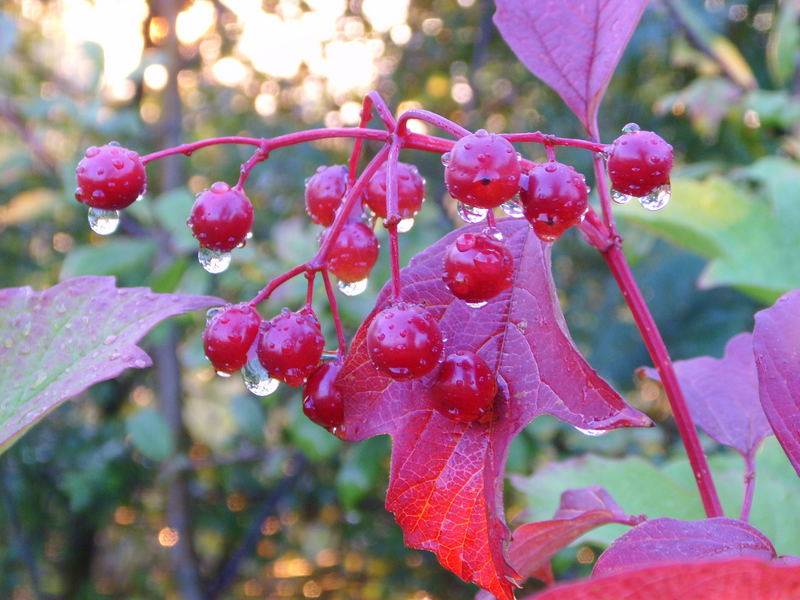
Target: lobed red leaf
[
  {"x": 446, "y": 481},
  {"x": 776, "y": 345},
  {"x": 574, "y": 47}
]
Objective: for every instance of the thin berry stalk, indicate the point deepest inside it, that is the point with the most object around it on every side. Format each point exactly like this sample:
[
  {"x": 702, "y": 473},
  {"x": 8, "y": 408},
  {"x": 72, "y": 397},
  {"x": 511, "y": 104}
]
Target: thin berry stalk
[
  {"x": 749, "y": 486},
  {"x": 337, "y": 321}
]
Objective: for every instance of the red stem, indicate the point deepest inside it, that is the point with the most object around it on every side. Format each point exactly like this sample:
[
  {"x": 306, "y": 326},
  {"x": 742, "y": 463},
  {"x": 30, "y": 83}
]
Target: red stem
[
  {"x": 337, "y": 321},
  {"x": 277, "y": 282},
  {"x": 615, "y": 259},
  {"x": 431, "y": 118},
  {"x": 538, "y": 137},
  {"x": 310, "y": 275},
  {"x": 749, "y": 485}
]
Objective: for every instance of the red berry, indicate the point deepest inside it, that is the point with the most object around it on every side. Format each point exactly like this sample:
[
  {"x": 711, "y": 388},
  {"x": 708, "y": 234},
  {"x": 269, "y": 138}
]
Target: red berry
[
  {"x": 221, "y": 217},
  {"x": 554, "y": 199},
  {"x": 324, "y": 192},
  {"x": 404, "y": 341},
  {"x": 483, "y": 170},
  {"x": 465, "y": 387},
  {"x": 110, "y": 177},
  {"x": 229, "y": 335},
  {"x": 477, "y": 267},
  {"x": 291, "y": 346},
  {"x": 353, "y": 253},
  {"x": 322, "y": 401},
  {"x": 410, "y": 191},
  {"x": 639, "y": 162}
]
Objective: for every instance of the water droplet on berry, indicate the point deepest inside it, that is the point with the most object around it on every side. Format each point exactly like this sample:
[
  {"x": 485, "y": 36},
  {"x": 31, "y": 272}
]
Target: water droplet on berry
[
  {"x": 257, "y": 379},
  {"x": 494, "y": 233},
  {"x": 91, "y": 152},
  {"x": 103, "y": 222},
  {"x": 471, "y": 214},
  {"x": 211, "y": 313},
  {"x": 620, "y": 197},
  {"x": 592, "y": 432},
  {"x": 223, "y": 374},
  {"x": 477, "y": 304},
  {"x": 481, "y": 133},
  {"x": 353, "y": 288},
  {"x": 213, "y": 261},
  {"x": 446, "y": 159},
  {"x": 631, "y": 128},
  {"x": 405, "y": 225},
  {"x": 512, "y": 209},
  {"x": 657, "y": 199}
]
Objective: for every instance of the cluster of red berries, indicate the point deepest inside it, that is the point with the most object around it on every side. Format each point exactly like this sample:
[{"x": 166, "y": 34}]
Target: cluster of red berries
[{"x": 482, "y": 171}]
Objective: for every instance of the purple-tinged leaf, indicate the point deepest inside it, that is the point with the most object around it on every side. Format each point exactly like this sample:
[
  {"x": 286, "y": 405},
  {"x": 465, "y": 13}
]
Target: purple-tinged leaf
[
  {"x": 776, "y": 345},
  {"x": 533, "y": 544},
  {"x": 722, "y": 395},
  {"x": 56, "y": 343},
  {"x": 737, "y": 579},
  {"x": 573, "y": 46},
  {"x": 671, "y": 540},
  {"x": 446, "y": 481}
]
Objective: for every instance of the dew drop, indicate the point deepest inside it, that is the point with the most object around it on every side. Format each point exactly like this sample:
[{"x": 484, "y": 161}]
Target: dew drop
[
  {"x": 110, "y": 340},
  {"x": 103, "y": 222},
  {"x": 446, "y": 159},
  {"x": 214, "y": 261},
  {"x": 223, "y": 374},
  {"x": 631, "y": 128},
  {"x": 477, "y": 304},
  {"x": 620, "y": 197},
  {"x": 512, "y": 209},
  {"x": 352, "y": 289},
  {"x": 471, "y": 214},
  {"x": 405, "y": 225},
  {"x": 592, "y": 432},
  {"x": 481, "y": 133},
  {"x": 211, "y": 313},
  {"x": 657, "y": 199},
  {"x": 494, "y": 233},
  {"x": 256, "y": 378}
]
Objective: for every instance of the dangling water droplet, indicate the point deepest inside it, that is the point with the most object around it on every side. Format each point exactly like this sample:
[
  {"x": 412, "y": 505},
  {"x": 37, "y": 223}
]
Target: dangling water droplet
[
  {"x": 353, "y": 288},
  {"x": 620, "y": 197},
  {"x": 223, "y": 374},
  {"x": 512, "y": 209},
  {"x": 592, "y": 432},
  {"x": 657, "y": 199},
  {"x": 471, "y": 214},
  {"x": 477, "y": 304},
  {"x": 405, "y": 225},
  {"x": 631, "y": 128},
  {"x": 446, "y": 159},
  {"x": 256, "y": 378},
  {"x": 214, "y": 261},
  {"x": 102, "y": 221}
]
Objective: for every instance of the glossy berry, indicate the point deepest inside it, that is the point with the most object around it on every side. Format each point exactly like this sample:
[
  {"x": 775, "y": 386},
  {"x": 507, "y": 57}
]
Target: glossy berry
[
  {"x": 477, "y": 267},
  {"x": 404, "y": 341},
  {"x": 482, "y": 170},
  {"x": 110, "y": 177},
  {"x": 221, "y": 217},
  {"x": 353, "y": 253},
  {"x": 554, "y": 199},
  {"x": 290, "y": 346},
  {"x": 322, "y": 401},
  {"x": 229, "y": 335},
  {"x": 410, "y": 191},
  {"x": 465, "y": 387},
  {"x": 639, "y": 162},
  {"x": 324, "y": 192}
]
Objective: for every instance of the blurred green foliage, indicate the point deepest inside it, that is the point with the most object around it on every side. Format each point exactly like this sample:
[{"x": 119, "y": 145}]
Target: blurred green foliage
[{"x": 84, "y": 495}]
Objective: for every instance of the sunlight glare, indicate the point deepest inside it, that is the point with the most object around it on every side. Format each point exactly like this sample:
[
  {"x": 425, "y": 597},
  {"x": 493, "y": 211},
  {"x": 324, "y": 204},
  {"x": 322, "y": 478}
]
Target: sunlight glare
[
  {"x": 193, "y": 22},
  {"x": 384, "y": 15}
]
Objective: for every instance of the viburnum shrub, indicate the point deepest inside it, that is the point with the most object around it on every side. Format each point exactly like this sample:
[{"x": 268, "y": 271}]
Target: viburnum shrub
[{"x": 467, "y": 344}]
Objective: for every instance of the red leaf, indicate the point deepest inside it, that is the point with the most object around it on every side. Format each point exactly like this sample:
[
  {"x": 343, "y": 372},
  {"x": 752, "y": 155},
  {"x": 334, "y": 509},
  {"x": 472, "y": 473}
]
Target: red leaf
[
  {"x": 776, "y": 345},
  {"x": 738, "y": 579},
  {"x": 579, "y": 511},
  {"x": 572, "y": 46},
  {"x": 671, "y": 540},
  {"x": 722, "y": 395},
  {"x": 446, "y": 482},
  {"x": 58, "y": 342}
]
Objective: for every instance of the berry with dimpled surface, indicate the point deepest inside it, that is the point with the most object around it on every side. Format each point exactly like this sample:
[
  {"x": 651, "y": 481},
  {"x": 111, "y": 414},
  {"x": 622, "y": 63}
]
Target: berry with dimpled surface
[
  {"x": 477, "y": 267},
  {"x": 410, "y": 191},
  {"x": 221, "y": 217},
  {"x": 110, "y": 177},
  {"x": 554, "y": 198},
  {"x": 322, "y": 401},
  {"x": 639, "y": 162},
  {"x": 324, "y": 192},
  {"x": 353, "y": 253},
  {"x": 465, "y": 387},
  {"x": 290, "y": 346},
  {"x": 229, "y": 335}
]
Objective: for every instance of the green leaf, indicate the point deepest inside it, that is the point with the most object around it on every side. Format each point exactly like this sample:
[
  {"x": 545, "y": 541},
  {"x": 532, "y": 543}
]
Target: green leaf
[
  {"x": 750, "y": 236},
  {"x": 312, "y": 440},
  {"x": 248, "y": 416},
  {"x": 171, "y": 210},
  {"x": 783, "y": 44},
  {"x": 636, "y": 485},
  {"x": 777, "y": 486},
  {"x": 150, "y": 434},
  {"x": 118, "y": 256},
  {"x": 360, "y": 469}
]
